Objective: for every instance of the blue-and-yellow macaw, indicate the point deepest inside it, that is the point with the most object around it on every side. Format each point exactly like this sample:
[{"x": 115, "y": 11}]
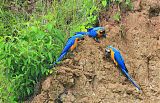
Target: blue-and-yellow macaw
[
  {"x": 70, "y": 46},
  {"x": 119, "y": 61},
  {"x": 95, "y": 32}
]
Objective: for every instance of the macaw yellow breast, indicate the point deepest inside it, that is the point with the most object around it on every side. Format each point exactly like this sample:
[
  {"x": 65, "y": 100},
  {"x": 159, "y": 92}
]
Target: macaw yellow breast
[
  {"x": 74, "y": 45},
  {"x": 112, "y": 56}
]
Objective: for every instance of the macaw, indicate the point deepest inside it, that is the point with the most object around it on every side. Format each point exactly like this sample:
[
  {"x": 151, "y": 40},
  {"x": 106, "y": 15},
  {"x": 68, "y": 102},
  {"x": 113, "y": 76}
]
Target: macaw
[
  {"x": 119, "y": 61},
  {"x": 70, "y": 45},
  {"x": 95, "y": 32}
]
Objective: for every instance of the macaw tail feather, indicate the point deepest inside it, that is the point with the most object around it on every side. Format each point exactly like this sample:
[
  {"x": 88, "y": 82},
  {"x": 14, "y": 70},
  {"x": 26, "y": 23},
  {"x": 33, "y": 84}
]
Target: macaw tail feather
[
  {"x": 59, "y": 59},
  {"x": 130, "y": 79}
]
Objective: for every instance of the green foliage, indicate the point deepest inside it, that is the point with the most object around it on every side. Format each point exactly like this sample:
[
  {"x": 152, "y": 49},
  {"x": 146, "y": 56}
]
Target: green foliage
[
  {"x": 129, "y": 4},
  {"x": 122, "y": 4},
  {"x": 104, "y": 3},
  {"x": 117, "y": 16},
  {"x": 28, "y": 55},
  {"x": 6, "y": 87},
  {"x": 29, "y": 43}
]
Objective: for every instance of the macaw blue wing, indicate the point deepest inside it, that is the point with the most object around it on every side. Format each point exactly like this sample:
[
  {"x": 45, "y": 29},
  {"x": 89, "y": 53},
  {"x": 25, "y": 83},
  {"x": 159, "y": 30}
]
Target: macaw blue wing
[
  {"x": 89, "y": 29},
  {"x": 119, "y": 59},
  {"x": 71, "y": 41},
  {"x": 82, "y": 33},
  {"x": 68, "y": 46},
  {"x": 92, "y": 33},
  {"x": 77, "y": 36}
]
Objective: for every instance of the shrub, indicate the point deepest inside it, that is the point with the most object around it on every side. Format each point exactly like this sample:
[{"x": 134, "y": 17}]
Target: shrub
[{"x": 6, "y": 87}]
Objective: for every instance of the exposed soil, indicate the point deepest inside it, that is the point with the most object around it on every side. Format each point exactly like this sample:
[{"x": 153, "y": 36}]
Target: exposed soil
[{"x": 89, "y": 77}]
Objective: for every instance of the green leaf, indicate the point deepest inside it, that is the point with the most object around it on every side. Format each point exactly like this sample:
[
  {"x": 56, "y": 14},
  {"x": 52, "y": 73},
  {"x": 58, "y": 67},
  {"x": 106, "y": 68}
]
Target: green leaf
[
  {"x": 37, "y": 72},
  {"x": 50, "y": 57},
  {"x": 40, "y": 35},
  {"x": 49, "y": 27},
  {"x": 9, "y": 62},
  {"x": 127, "y": 2},
  {"x": 117, "y": 16},
  {"x": 23, "y": 68},
  {"x": 104, "y": 3},
  {"x": 34, "y": 29},
  {"x": 82, "y": 28},
  {"x": 28, "y": 91},
  {"x": 43, "y": 70}
]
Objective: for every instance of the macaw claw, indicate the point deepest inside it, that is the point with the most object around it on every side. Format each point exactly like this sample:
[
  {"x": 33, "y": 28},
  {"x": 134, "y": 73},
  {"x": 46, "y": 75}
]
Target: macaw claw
[
  {"x": 96, "y": 39},
  {"x": 104, "y": 35}
]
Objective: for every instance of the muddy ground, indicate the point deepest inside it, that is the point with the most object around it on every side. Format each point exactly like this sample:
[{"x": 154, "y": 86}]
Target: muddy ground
[{"x": 89, "y": 77}]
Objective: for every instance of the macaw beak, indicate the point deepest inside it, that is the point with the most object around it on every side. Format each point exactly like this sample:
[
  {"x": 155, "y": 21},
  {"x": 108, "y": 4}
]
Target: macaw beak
[
  {"x": 107, "y": 52},
  {"x": 104, "y": 35},
  {"x": 82, "y": 38}
]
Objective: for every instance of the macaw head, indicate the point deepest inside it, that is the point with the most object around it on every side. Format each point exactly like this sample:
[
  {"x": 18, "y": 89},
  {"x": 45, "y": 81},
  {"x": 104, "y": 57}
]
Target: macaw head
[
  {"x": 102, "y": 34},
  {"x": 79, "y": 36},
  {"x": 100, "y": 31},
  {"x": 108, "y": 51}
]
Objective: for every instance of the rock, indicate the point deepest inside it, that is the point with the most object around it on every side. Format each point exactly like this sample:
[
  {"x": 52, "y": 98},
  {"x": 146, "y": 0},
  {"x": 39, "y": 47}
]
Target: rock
[{"x": 47, "y": 84}]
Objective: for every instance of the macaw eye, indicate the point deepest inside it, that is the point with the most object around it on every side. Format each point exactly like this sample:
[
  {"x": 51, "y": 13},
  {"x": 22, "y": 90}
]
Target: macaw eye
[{"x": 102, "y": 32}]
